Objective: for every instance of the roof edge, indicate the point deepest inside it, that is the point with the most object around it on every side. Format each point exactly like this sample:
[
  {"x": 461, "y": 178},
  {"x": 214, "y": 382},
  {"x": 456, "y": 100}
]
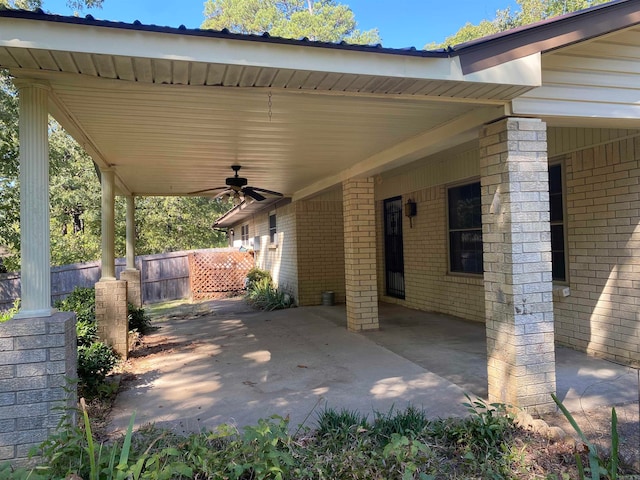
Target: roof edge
[
  {"x": 89, "y": 20},
  {"x": 547, "y": 35}
]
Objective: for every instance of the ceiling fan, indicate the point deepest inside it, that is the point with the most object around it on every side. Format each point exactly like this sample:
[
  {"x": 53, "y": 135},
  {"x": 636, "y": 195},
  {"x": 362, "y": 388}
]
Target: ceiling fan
[{"x": 238, "y": 190}]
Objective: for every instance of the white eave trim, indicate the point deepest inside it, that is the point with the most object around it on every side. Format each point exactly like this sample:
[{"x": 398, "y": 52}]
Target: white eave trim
[{"x": 101, "y": 40}]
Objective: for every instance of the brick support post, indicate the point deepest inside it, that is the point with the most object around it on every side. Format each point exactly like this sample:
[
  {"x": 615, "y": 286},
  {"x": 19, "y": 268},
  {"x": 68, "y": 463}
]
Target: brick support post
[
  {"x": 112, "y": 315},
  {"x": 517, "y": 263},
  {"x": 360, "y": 254},
  {"x": 38, "y": 360},
  {"x": 134, "y": 286}
]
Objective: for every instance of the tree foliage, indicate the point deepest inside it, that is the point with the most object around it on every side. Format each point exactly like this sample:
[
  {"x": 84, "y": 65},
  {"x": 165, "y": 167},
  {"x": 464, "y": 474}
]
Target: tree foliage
[
  {"x": 77, "y": 5},
  {"x": 162, "y": 224},
  {"x": 530, "y": 11},
  {"x": 322, "y": 20}
]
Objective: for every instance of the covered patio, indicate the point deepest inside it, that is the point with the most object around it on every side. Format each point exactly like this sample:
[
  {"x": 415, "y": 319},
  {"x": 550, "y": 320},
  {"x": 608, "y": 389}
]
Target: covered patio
[
  {"x": 236, "y": 365},
  {"x": 168, "y": 111}
]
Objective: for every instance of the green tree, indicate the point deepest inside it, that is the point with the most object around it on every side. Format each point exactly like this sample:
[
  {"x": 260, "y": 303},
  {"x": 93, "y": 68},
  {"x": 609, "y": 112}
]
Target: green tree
[
  {"x": 322, "y": 20},
  {"x": 77, "y": 5},
  {"x": 162, "y": 224},
  {"x": 530, "y": 11}
]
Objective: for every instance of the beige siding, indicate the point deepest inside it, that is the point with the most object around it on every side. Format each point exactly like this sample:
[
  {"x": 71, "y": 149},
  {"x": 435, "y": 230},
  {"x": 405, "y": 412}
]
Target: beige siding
[
  {"x": 428, "y": 286},
  {"x": 280, "y": 257},
  {"x": 566, "y": 140}
]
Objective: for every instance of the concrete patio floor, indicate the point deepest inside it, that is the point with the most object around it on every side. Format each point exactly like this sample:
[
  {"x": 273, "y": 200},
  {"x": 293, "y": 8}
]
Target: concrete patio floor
[{"x": 236, "y": 365}]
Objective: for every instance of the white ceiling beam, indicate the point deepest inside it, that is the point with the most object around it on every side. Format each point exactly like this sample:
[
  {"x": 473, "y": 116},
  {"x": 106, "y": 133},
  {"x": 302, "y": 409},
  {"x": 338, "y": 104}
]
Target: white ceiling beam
[
  {"x": 73, "y": 128},
  {"x": 459, "y": 130}
]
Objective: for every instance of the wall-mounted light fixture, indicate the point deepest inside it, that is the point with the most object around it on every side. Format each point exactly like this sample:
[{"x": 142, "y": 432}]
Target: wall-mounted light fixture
[
  {"x": 231, "y": 232},
  {"x": 410, "y": 210}
]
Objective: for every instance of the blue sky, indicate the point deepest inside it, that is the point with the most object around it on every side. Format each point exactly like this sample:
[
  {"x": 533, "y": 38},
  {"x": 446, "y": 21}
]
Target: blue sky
[{"x": 402, "y": 23}]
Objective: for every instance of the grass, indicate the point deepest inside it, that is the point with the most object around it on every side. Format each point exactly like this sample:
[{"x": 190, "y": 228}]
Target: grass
[{"x": 400, "y": 444}]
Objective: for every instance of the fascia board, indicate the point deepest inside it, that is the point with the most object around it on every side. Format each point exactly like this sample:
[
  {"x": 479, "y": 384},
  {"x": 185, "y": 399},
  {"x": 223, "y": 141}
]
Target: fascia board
[{"x": 100, "y": 40}]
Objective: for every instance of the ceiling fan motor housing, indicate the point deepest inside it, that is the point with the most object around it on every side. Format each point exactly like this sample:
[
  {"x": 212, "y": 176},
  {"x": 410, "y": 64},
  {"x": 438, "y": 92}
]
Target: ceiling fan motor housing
[{"x": 237, "y": 182}]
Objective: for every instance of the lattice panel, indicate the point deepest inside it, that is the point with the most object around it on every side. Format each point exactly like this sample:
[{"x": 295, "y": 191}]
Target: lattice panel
[{"x": 214, "y": 274}]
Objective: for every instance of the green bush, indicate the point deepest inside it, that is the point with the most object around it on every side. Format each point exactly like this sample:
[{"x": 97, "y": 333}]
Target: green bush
[
  {"x": 256, "y": 275},
  {"x": 95, "y": 361},
  {"x": 263, "y": 295},
  {"x": 139, "y": 320},
  {"x": 7, "y": 315},
  {"x": 82, "y": 301}
]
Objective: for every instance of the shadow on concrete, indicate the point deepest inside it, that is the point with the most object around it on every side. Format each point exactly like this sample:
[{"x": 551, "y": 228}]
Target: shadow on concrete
[{"x": 235, "y": 365}]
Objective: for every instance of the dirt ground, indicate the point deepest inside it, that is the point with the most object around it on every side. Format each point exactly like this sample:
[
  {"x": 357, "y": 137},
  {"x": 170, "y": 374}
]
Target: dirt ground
[{"x": 545, "y": 456}]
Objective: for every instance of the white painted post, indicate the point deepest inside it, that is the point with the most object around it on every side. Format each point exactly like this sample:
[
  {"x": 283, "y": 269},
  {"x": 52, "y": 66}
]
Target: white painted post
[
  {"x": 34, "y": 200},
  {"x": 108, "y": 226},
  {"x": 131, "y": 232}
]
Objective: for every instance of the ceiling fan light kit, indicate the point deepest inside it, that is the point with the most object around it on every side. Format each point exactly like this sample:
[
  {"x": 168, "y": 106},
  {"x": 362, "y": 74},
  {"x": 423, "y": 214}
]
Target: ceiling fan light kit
[{"x": 237, "y": 189}]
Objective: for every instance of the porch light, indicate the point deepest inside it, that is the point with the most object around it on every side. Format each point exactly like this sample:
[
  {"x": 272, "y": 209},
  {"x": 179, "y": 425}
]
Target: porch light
[{"x": 410, "y": 210}]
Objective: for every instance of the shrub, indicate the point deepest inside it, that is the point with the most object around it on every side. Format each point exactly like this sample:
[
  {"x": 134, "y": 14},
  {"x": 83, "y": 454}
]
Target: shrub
[
  {"x": 82, "y": 301},
  {"x": 95, "y": 361},
  {"x": 263, "y": 295},
  {"x": 9, "y": 314},
  {"x": 256, "y": 275},
  {"x": 139, "y": 320}
]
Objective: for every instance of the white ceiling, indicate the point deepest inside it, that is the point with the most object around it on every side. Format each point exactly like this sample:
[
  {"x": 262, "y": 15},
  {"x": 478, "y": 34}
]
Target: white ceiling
[{"x": 175, "y": 113}]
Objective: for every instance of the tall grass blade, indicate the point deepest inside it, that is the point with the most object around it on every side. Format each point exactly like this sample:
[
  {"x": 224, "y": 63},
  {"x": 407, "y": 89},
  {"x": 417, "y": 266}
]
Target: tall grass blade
[
  {"x": 93, "y": 471},
  {"x": 615, "y": 443},
  {"x": 126, "y": 446}
]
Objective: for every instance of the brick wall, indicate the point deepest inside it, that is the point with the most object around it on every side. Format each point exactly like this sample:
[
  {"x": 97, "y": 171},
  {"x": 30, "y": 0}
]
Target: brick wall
[
  {"x": 320, "y": 251},
  {"x": 428, "y": 286},
  {"x": 37, "y": 359},
  {"x": 601, "y": 315}
]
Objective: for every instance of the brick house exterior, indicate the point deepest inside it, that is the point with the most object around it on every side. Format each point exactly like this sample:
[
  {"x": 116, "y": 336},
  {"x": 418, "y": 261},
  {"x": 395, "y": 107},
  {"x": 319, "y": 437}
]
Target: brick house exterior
[{"x": 518, "y": 153}]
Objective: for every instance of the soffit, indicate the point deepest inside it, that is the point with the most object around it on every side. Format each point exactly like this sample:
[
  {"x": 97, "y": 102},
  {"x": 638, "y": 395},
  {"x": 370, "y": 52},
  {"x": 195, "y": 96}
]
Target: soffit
[{"x": 177, "y": 111}]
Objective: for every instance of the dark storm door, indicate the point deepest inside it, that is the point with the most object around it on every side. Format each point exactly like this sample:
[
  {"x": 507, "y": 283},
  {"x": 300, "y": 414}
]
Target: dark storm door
[{"x": 393, "y": 249}]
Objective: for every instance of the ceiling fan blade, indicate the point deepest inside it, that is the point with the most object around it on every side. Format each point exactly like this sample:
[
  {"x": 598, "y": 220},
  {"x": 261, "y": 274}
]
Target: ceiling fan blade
[
  {"x": 250, "y": 192},
  {"x": 207, "y": 190},
  {"x": 263, "y": 190}
]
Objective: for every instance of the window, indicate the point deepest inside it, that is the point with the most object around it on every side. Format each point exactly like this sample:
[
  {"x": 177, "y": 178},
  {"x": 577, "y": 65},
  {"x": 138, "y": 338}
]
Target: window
[
  {"x": 556, "y": 206},
  {"x": 272, "y": 228},
  {"x": 244, "y": 234},
  {"x": 465, "y": 229}
]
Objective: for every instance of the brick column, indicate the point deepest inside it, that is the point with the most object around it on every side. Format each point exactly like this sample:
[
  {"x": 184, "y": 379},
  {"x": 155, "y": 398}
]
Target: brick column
[
  {"x": 134, "y": 290},
  {"x": 360, "y": 254},
  {"x": 112, "y": 315},
  {"x": 517, "y": 263},
  {"x": 38, "y": 361}
]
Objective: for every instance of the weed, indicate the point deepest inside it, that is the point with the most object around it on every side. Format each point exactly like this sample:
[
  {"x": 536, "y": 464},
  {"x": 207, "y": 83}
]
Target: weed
[
  {"x": 410, "y": 422},
  {"x": 598, "y": 464},
  {"x": 7, "y": 315}
]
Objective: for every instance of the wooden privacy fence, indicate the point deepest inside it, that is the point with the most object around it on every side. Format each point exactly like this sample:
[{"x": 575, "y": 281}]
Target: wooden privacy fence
[
  {"x": 217, "y": 274},
  {"x": 164, "y": 277}
]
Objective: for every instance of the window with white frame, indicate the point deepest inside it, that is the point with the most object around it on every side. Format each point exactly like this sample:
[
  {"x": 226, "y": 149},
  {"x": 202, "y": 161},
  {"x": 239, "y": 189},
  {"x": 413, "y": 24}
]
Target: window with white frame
[
  {"x": 245, "y": 234},
  {"x": 465, "y": 228},
  {"x": 272, "y": 228},
  {"x": 556, "y": 207}
]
